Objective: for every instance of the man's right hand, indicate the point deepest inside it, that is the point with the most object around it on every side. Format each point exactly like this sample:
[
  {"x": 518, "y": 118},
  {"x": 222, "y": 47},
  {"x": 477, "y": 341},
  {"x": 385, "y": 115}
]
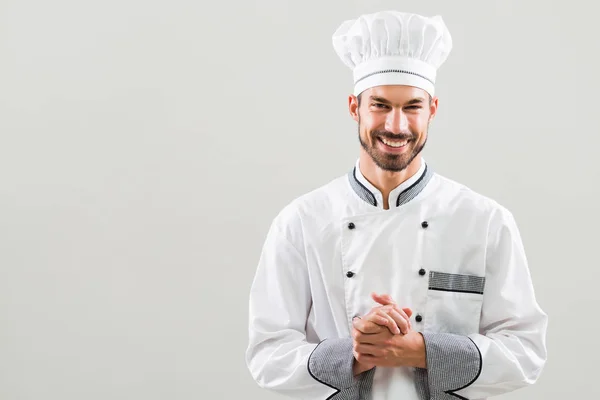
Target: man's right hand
[{"x": 388, "y": 316}]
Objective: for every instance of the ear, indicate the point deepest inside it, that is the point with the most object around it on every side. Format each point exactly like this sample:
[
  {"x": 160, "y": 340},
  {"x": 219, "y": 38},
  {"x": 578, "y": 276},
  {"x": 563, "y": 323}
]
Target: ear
[
  {"x": 433, "y": 107},
  {"x": 353, "y": 107}
]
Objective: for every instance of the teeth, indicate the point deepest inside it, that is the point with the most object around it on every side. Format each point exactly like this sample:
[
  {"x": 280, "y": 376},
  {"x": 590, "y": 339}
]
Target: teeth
[{"x": 394, "y": 144}]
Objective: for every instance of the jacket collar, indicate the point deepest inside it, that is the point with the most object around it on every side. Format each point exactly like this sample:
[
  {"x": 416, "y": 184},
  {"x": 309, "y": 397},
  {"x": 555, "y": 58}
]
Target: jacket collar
[{"x": 401, "y": 195}]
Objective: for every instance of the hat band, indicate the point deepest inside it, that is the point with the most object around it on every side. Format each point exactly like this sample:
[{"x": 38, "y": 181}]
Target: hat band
[
  {"x": 399, "y": 71},
  {"x": 394, "y": 70},
  {"x": 394, "y": 78}
]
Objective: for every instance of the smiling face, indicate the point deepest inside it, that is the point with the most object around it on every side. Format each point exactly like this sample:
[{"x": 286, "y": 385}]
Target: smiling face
[{"x": 392, "y": 123}]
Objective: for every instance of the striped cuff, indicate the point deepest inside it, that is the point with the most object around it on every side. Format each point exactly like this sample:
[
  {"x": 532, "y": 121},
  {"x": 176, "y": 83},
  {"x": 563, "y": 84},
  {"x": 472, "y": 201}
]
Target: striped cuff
[
  {"x": 331, "y": 364},
  {"x": 453, "y": 363}
]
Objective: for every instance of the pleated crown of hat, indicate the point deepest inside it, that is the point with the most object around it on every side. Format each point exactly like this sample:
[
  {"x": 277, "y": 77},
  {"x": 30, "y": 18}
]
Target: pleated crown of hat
[{"x": 393, "y": 48}]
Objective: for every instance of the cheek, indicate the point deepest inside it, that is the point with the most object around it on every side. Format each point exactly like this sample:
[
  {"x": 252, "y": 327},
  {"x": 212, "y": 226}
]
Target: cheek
[
  {"x": 365, "y": 133},
  {"x": 371, "y": 123},
  {"x": 419, "y": 124},
  {"x": 366, "y": 125}
]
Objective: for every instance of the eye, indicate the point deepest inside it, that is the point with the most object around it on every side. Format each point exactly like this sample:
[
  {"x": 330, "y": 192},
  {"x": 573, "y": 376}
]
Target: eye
[
  {"x": 379, "y": 105},
  {"x": 413, "y": 107}
]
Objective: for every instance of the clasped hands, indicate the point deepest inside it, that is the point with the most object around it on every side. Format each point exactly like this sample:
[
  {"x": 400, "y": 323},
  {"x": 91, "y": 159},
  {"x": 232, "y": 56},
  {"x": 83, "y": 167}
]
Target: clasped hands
[{"x": 384, "y": 338}]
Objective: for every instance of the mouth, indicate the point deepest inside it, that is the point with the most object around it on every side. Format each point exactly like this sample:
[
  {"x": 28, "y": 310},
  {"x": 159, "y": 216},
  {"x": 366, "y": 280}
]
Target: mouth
[{"x": 394, "y": 145}]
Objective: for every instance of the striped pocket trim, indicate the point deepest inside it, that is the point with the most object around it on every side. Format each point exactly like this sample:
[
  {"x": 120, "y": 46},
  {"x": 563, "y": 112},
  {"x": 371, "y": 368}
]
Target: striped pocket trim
[{"x": 456, "y": 282}]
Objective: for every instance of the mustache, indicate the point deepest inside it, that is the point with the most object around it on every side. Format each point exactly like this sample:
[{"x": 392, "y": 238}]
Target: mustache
[{"x": 393, "y": 136}]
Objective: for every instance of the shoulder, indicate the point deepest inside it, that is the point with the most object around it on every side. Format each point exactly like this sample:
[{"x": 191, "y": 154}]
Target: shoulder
[
  {"x": 456, "y": 194},
  {"x": 322, "y": 201}
]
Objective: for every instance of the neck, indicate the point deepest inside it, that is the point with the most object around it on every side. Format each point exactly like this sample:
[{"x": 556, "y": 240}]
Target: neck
[{"x": 386, "y": 181}]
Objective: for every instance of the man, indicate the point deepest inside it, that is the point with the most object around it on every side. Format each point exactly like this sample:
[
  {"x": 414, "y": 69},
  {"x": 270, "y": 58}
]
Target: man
[{"x": 394, "y": 282}]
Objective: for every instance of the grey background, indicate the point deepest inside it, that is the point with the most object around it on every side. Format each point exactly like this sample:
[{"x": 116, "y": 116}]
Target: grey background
[{"x": 146, "y": 146}]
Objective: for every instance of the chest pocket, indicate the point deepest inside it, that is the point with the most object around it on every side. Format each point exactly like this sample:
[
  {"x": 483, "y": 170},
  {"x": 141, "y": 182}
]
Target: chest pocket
[{"x": 454, "y": 303}]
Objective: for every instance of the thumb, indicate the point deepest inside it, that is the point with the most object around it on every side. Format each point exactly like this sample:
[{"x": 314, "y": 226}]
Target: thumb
[
  {"x": 408, "y": 311},
  {"x": 384, "y": 299}
]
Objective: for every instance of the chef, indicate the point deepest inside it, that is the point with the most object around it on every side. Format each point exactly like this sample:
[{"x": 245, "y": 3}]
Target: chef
[{"x": 392, "y": 281}]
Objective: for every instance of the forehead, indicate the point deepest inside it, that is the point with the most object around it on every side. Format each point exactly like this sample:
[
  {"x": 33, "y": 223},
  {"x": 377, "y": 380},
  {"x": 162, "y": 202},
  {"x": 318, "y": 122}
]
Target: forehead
[{"x": 395, "y": 93}]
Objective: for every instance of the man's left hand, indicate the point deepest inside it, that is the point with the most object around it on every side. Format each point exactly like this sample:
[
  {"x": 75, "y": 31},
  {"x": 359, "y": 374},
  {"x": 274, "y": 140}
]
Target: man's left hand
[
  {"x": 384, "y": 349},
  {"x": 377, "y": 347}
]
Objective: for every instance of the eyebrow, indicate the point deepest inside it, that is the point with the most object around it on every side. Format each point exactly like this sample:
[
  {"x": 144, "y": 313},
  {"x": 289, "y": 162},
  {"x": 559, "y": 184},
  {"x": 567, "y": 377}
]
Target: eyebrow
[{"x": 415, "y": 100}]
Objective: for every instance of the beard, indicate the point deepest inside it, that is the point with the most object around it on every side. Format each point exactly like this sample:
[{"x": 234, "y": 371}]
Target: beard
[{"x": 390, "y": 161}]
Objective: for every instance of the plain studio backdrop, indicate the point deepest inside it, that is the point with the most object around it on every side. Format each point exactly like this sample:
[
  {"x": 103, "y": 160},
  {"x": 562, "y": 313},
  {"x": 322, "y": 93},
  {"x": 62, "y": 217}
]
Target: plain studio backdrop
[{"x": 147, "y": 145}]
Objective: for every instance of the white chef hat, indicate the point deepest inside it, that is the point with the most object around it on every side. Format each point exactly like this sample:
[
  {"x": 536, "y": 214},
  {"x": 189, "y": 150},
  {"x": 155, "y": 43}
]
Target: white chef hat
[{"x": 393, "y": 48}]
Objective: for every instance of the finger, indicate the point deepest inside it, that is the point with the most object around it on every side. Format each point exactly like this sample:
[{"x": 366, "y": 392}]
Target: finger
[
  {"x": 384, "y": 320},
  {"x": 394, "y": 308},
  {"x": 377, "y": 316},
  {"x": 390, "y": 322},
  {"x": 375, "y": 322},
  {"x": 386, "y": 301},
  {"x": 404, "y": 315},
  {"x": 378, "y": 339},
  {"x": 366, "y": 337},
  {"x": 386, "y": 308},
  {"x": 366, "y": 326},
  {"x": 368, "y": 349},
  {"x": 383, "y": 299},
  {"x": 401, "y": 320}
]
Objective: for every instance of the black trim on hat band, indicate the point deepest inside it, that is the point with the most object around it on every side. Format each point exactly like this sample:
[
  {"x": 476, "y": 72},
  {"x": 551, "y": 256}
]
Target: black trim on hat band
[{"x": 400, "y": 71}]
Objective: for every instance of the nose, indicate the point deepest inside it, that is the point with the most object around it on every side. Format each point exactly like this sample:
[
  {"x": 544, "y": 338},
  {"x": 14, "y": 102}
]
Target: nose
[{"x": 396, "y": 122}]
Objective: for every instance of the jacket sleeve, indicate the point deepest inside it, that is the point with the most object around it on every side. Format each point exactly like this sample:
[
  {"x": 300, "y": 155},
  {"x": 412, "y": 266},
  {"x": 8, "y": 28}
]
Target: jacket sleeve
[
  {"x": 278, "y": 355},
  {"x": 509, "y": 351}
]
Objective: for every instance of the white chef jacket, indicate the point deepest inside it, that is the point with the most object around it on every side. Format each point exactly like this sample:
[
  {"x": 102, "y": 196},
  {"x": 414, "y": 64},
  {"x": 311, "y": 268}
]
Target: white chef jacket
[{"x": 455, "y": 257}]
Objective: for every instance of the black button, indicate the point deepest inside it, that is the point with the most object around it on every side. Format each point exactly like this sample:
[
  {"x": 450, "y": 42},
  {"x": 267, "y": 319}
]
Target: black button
[
  {"x": 351, "y": 225},
  {"x": 422, "y": 272},
  {"x": 424, "y": 224},
  {"x": 349, "y": 274},
  {"x": 418, "y": 318}
]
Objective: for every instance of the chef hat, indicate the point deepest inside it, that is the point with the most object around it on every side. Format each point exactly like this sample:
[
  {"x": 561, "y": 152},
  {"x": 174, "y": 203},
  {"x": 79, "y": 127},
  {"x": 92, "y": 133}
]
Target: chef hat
[{"x": 393, "y": 48}]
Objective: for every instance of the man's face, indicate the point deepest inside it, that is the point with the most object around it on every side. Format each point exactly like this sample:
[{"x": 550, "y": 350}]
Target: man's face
[{"x": 392, "y": 123}]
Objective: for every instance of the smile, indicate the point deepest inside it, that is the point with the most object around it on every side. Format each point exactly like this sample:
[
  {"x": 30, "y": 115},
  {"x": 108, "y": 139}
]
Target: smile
[{"x": 393, "y": 143}]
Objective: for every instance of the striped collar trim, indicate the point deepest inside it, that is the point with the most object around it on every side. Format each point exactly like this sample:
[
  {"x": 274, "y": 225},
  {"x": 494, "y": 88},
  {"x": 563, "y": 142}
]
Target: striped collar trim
[{"x": 404, "y": 196}]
